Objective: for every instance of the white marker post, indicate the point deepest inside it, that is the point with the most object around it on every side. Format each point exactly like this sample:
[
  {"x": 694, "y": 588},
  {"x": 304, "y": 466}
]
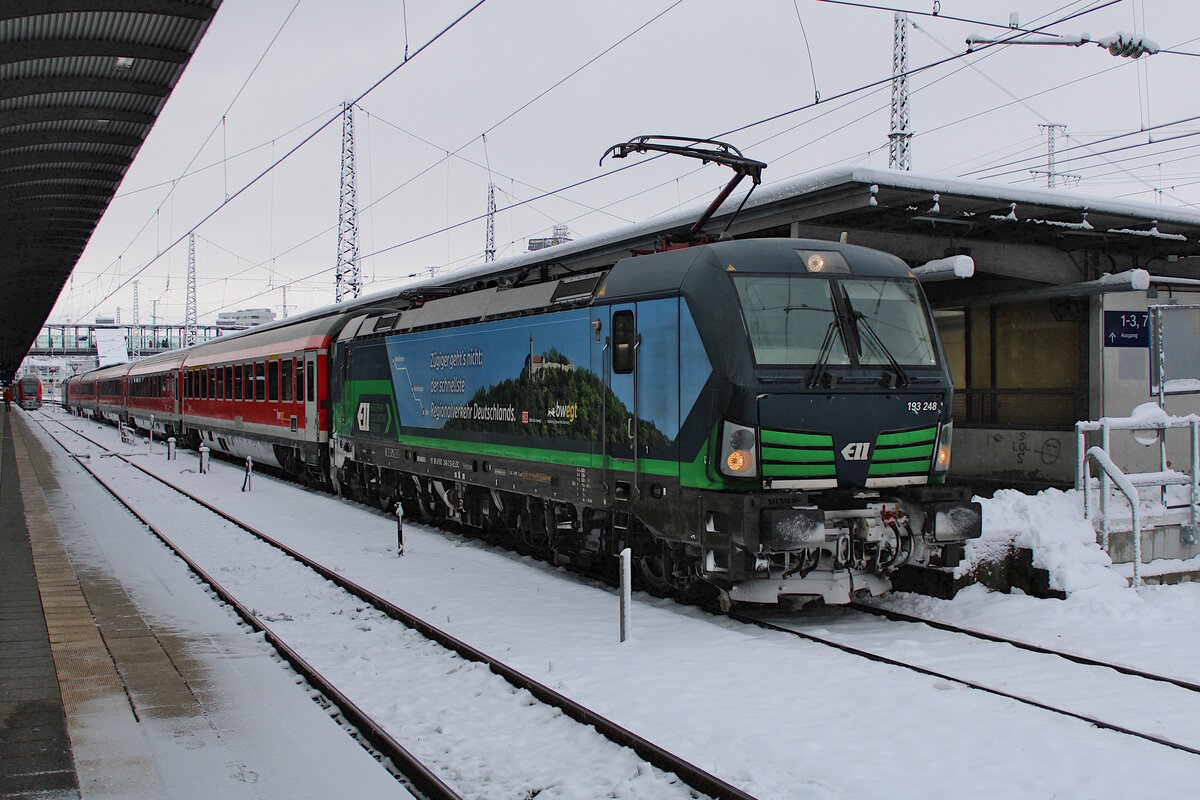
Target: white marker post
[
  {"x": 626, "y": 599},
  {"x": 203, "y": 459},
  {"x": 247, "y": 483},
  {"x": 399, "y": 530},
  {"x": 171, "y": 449}
]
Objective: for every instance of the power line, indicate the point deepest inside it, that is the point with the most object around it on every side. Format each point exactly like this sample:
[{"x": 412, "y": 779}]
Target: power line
[
  {"x": 765, "y": 120},
  {"x": 289, "y": 153}
]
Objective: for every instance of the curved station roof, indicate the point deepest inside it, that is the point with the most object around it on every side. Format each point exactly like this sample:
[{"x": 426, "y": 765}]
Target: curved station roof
[{"x": 81, "y": 84}]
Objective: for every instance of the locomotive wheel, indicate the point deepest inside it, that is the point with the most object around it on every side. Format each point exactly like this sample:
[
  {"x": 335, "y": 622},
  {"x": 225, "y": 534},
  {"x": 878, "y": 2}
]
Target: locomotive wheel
[{"x": 655, "y": 576}]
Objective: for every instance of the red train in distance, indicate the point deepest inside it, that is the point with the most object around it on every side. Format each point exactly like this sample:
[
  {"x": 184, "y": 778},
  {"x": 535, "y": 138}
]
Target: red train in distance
[{"x": 27, "y": 391}]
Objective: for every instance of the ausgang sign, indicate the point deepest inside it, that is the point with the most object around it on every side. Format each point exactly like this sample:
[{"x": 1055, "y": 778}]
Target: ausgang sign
[{"x": 1126, "y": 329}]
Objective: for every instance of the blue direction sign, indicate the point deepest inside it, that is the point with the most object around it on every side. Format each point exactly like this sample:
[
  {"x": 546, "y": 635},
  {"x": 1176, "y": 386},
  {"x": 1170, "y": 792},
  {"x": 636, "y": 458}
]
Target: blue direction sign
[{"x": 1126, "y": 329}]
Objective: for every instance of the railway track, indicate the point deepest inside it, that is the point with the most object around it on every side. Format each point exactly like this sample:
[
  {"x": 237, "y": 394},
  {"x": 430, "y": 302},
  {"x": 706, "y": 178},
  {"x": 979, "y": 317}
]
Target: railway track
[
  {"x": 1156, "y": 708},
  {"x": 418, "y": 776}
]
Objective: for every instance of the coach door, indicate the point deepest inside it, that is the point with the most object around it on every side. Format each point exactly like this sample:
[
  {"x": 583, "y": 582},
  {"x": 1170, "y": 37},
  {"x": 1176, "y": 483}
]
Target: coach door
[
  {"x": 310, "y": 397},
  {"x": 621, "y": 428}
]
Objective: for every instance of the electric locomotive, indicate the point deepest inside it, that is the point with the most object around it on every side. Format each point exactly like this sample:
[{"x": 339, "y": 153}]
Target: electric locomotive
[{"x": 767, "y": 418}]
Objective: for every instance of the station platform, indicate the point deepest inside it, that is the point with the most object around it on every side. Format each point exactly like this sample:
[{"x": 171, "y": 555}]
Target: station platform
[{"x": 97, "y": 700}]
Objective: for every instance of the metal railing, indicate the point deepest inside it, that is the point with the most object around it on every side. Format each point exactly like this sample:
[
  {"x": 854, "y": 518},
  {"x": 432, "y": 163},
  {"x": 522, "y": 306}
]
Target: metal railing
[{"x": 1129, "y": 483}]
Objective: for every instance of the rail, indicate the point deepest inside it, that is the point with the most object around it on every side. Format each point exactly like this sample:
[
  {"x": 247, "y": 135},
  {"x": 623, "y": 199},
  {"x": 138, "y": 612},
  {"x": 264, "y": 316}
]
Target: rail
[{"x": 1129, "y": 483}]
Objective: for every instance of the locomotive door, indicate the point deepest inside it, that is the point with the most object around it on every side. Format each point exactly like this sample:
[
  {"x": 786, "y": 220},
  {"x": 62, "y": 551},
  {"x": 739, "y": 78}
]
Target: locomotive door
[
  {"x": 621, "y": 428},
  {"x": 310, "y": 396}
]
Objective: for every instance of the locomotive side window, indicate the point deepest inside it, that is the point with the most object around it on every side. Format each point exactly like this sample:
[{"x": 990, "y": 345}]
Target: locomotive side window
[
  {"x": 260, "y": 381},
  {"x": 285, "y": 380},
  {"x": 273, "y": 380},
  {"x": 623, "y": 338}
]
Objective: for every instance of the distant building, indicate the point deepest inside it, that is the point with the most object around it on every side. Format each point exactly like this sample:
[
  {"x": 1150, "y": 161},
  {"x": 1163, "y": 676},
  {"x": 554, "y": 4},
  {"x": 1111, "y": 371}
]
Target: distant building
[
  {"x": 561, "y": 236},
  {"x": 244, "y": 318}
]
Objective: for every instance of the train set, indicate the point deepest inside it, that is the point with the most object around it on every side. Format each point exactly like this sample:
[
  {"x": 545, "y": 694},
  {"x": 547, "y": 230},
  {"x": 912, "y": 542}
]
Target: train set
[
  {"x": 27, "y": 391},
  {"x": 760, "y": 419}
]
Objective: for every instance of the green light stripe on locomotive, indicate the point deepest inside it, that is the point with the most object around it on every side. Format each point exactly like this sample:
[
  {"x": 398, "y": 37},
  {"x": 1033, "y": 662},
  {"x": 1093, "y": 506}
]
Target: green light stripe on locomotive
[
  {"x": 906, "y": 437},
  {"x": 904, "y": 453},
  {"x": 918, "y": 467},
  {"x": 799, "y": 470},
  {"x": 796, "y": 456},
  {"x": 790, "y": 439}
]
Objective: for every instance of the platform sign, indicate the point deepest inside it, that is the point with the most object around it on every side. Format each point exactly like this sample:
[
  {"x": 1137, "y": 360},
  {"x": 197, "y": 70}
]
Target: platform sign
[{"x": 1126, "y": 329}]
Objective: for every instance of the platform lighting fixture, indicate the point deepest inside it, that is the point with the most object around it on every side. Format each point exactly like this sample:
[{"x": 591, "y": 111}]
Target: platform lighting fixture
[{"x": 123, "y": 63}]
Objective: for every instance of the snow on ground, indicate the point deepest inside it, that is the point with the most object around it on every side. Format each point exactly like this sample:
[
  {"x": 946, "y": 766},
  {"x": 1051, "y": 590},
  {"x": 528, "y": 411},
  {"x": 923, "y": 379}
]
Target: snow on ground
[{"x": 776, "y": 716}]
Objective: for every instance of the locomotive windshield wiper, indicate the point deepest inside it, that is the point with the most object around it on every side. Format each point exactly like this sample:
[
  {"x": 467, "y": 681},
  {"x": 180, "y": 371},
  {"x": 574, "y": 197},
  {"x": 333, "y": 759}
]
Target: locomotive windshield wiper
[
  {"x": 861, "y": 318},
  {"x": 823, "y": 356}
]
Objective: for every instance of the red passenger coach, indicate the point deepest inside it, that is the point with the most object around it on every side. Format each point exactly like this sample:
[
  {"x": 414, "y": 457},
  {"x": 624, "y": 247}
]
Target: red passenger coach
[
  {"x": 263, "y": 393},
  {"x": 153, "y": 393},
  {"x": 107, "y": 398}
]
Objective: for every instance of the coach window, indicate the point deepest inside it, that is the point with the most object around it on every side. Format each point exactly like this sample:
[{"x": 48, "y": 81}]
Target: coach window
[
  {"x": 237, "y": 381},
  {"x": 273, "y": 380},
  {"x": 248, "y": 387},
  {"x": 285, "y": 380},
  {"x": 300, "y": 379},
  {"x": 220, "y": 383},
  {"x": 260, "y": 381},
  {"x": 212, "y": 383}
]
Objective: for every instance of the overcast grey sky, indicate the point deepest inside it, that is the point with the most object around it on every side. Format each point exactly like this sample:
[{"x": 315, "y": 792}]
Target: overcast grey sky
[{"x": 697, "y": 68}]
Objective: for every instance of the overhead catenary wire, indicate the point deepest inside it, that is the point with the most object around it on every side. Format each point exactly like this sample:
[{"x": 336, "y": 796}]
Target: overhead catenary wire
[
  {"x": 584, "y": 181},
  {"x": 747, "y": 126}
]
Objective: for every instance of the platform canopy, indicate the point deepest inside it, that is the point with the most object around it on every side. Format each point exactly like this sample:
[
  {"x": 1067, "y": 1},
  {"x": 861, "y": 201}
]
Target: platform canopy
[{"x": 81, "y": 84}]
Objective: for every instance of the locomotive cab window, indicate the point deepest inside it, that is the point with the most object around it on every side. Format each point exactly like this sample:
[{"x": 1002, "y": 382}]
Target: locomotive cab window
[
  {"x": 789, "y": 318},
  {"x": 889, "y": 312},
  {"x": 624, "y": 337}
]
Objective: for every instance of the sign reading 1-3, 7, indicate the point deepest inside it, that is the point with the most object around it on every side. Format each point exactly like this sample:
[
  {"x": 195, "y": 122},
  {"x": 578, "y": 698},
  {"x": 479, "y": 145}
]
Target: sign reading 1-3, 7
[{"x": 1126, "y": 329}]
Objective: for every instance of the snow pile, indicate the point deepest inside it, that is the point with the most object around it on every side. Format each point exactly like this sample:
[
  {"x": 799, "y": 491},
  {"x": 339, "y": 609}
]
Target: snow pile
[{"x": 1051, "y": 524}]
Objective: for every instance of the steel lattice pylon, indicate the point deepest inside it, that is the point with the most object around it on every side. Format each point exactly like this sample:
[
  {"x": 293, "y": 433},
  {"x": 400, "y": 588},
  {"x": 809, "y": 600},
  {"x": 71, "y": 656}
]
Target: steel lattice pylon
[
  {"x": 189, "y": 320},
  {"x": 898, "y": 138},
  {"x": 349, "y": 279},
  {"x": 136, "y": 346},
  {"x": 489, "y": 247}
]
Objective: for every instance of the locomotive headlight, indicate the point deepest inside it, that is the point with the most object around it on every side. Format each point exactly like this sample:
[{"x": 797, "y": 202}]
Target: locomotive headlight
[
  {"x": 820, "y": 261},
  {"x": 942, "y": 459},
  {"x": 738, "y": 451}
]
